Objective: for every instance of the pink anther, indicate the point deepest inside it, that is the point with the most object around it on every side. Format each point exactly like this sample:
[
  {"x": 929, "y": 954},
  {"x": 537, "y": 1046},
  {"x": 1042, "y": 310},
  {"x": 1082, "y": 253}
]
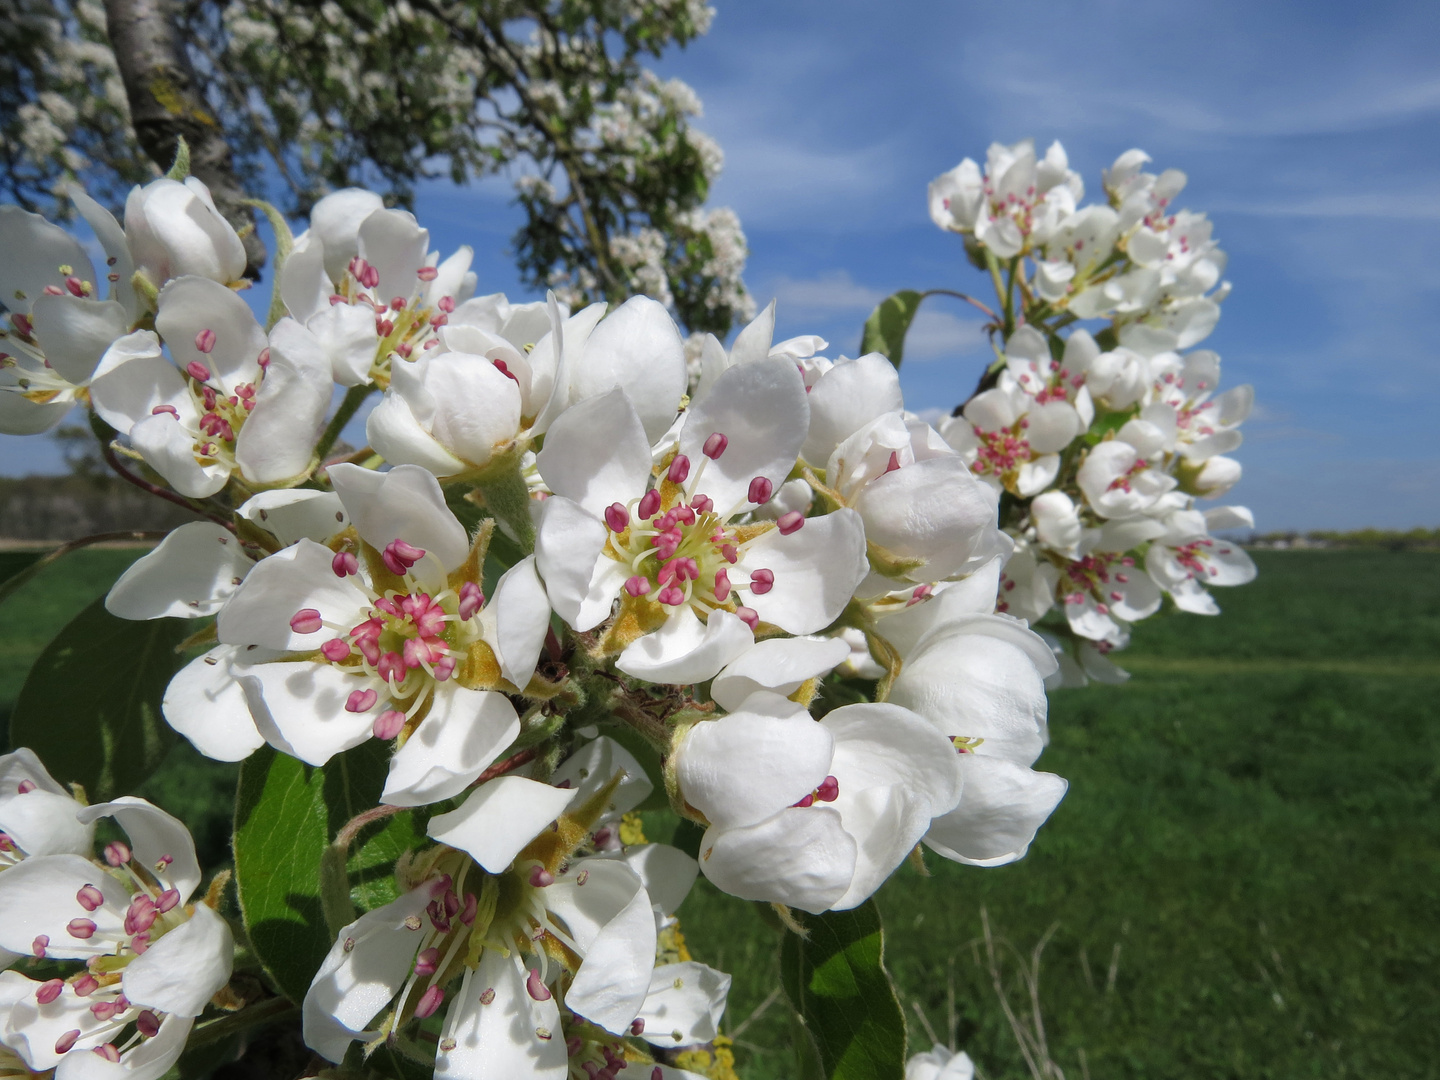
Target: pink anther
[
  {"x": 431, "y": 1000},
  {"x": 90, "y": 898},
  {"x": 722, "y": 585},
  {"x": 83, "y": 929},
  {"x": 749, "y": 616},
  {"x": 117, "y": 854},
  {"x": 702, "y": 504},
  {"x": 535, "y": 988},
  {"x": 760, "y": 490},
  {"x": 540, "y": 877},
  {"x": 762, "y": 581},
  {"x": 617, "y": 517},
  {"x": 472, "y": 599},
  {"x": 791, "y": 522},
  {"x": 361, "y": 701},
  {"x": 158, "y": 409},
  {"x": 649, "y": 504},
  {"x": 335, "y": 650},
  {"x": 829, "y": 789},
  {"x": 427, "y": 273},
  {"x": 671, "y": 596},
  {"x": 637, "y": 585},
  {"x": 205, "y": 341},
  {"x": 400, "y": 556},
  {"x": 66, "y": 1042},
  {"x": 715, "y": 445},
  {"x": 197, "y": 371},
  {"x": 344, "y": 564},
  {"x": 306, "y": 621},
  {"x": 679, "y": 469},
  {"x": 148, "y": 1024}
]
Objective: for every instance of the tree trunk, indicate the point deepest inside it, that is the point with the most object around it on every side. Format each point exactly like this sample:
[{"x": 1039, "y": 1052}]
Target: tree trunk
[{"x": 166, "y": 103}]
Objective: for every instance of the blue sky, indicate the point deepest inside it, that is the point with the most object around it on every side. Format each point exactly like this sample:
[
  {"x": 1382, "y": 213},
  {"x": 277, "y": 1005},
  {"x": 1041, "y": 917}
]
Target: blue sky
[{"x": 1308, "y": 131}]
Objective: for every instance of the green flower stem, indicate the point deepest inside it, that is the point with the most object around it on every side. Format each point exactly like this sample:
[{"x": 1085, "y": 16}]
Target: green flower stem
[
  {"x": 354, "y": 398},
  {"x": 264, "y": 1012},
  {"x": 508, "y": 499}
]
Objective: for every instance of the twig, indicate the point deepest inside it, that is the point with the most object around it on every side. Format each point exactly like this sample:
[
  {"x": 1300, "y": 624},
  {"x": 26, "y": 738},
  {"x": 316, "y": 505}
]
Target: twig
[
  {"x": 13, "y": 582},
  {"x": 108, "y": 452},
  {"x": 514, "y": 761},
  {"x": 252, "y": 1016},
  {"x": 349, "y": 405},
  {"x": 758, "y": 1012}
]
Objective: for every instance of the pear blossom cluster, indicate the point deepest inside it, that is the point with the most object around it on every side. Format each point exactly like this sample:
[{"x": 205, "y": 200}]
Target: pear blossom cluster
[
  {"x": 1100, "y": 423},
  {"x": 571, "y": 578}
]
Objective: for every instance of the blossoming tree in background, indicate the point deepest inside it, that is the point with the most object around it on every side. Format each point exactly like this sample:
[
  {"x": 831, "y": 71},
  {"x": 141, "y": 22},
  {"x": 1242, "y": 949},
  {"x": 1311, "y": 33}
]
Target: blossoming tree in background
[
  {"x": 574, "y": 576},
  {"x": 317, "y": 96},
  {"x": 1099, "y": 423}
]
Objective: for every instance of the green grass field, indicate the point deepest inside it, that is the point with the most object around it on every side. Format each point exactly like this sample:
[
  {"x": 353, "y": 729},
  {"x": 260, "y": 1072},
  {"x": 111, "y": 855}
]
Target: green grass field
[{"x": 1245, "y": 873}]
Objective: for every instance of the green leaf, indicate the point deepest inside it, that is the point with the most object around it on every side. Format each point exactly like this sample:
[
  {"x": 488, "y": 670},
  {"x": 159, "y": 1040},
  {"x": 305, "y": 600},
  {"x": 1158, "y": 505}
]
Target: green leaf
[
  {"x": 836, "y": 981},
  {"x": 286, "y": 815},
  {"x": 90, "y": 706},
  {"x": 887, "y": 325}
]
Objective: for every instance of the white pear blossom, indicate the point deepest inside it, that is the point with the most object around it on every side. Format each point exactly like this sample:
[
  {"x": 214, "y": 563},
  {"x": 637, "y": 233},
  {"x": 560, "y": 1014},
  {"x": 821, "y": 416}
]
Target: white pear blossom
[
  {"x": 697, "y": 580},
  {"x": 1018, "y": 200},
  {"x": 1121, "y": 477},
  {"x": 235, "y": 400},
  {"x": 364, "y": 281},
  {"x": 756, "y": 342},
  {"x": 813, "y": 815},
  {"x": 940, "y": 1063},
  {"x": 59, "y": 320},
  {"x": 174, "y": 230},
  {"x": 1185, "y": 558},
  {"x": 394, "y": 640},
  {"x": 152, "y": 960}
]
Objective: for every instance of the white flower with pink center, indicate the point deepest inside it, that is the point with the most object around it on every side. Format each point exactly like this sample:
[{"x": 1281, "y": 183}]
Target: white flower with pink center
[
  {"x": 1016, "y": 202},
  {"x": 1195, "y": 421},
  {"x": 58, "y": 322},
  {"x": 387, "y": 635},
  {"x": 694, "y": 575},
  {"x": 1011, "y": 441},
  {"x": 1123, "y": 477},
  {"x": 234, "y": 401},
  {"x": 815, "y": 815},
  {"x": 174, "y": 230},
  {"x": 364, "y": 281},
  {"x": 152, "y": 960},
  {"x": 1103, "y": 590},
  {"x": 756, "y": 342},
  {"x": 1185, "y": 560},
  {"x": 521, "y": 924}
]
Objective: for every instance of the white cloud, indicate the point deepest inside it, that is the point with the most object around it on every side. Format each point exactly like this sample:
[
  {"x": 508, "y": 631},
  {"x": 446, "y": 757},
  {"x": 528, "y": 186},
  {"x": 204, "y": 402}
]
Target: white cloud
[
  {"x": 938, "y": 335},
  {"x": 830, "y": 294}
]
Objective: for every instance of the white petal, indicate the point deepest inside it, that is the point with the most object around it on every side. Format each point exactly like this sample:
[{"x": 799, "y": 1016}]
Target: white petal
[
  {"x": 37, "y": 896},
  {"x": 133, "y": 378},
  {"x": 304, "y": 286},
  {"x": 746, "y": 766},
  {"x": 205, "y": 704},
  {"x": 515, "y": 621},
  {"x": 349, "y": 340},
  {"x": 185, "y": 968},
  {"x": 400, "y": 439},
  {"x": 150, "y": 1060},
  {"x": 295, "y": 514},
  {"x": 36, "y": 250},
  {"x": 886, "y": 823},
  {"x": 477, "y": 408},
  {"x": 614, "y": 978},
  {"x": 933, "y": 510},
  {"x": 112, "y": 239},
  {"x": 753, "y": 342},
  {"x": 280, "y": 585},
  {"x": 405, "y": 503},
  {"x": 762, "y": 410},
  {"x": 667, "y": 873},
  {"x": 189, "y": 305},
  {"x": 43, "y": 822},
  {"x": 32, "y": 1029},
  {"x": 160, "y": 841},
  {"x": 568, "y": 547},
  {"x": 457, "y": 740},
  {"x": 300, "y": 708},
  {"x": 513, "y": 1037},
  {"x": 20, "y": 765},
  {"x": 779, "y": 665},
  {"x": 637, "y": 349},
  {"x": 336, "y": 220},
  {"x": 801, "y": 857},
  {"x": 393, "y": 242},
  {"x": 849, "y": 396},
  {"x": 1002, "y": 806},
  {"x": 191, "y": 573},
  {"x": 170, "y": 450},
  {"x": 685, "y": 1004},
  {"x": 685, "y": 650},
  {"x": 363, "y": 971},
  {"x": 973, "y": 596},
  {"x": 278, "y": 439},
  {"x": 981, "y": 677},
  {"x": 816, "y": 571},
  {"x": 593, "y": 765},
  {"x": 499, "y": 818},
  {"x": 19, "y": 416},
  {"x": 881, "y": 743},
  {"x": 75, "y": 332},
  {"x": 596, "y": 453}
]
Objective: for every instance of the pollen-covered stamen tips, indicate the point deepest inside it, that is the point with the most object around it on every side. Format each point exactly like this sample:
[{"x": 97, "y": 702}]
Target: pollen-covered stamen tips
[
  {"x": 1103, "y": 575},
  {"x": 596, "y": 1054},
  {"x": 406, "y": 325},
  {"x": 154, "y": 910},
  {"x": 408, "y": 642},
  {"x": 681, "y": 550},
  {"x": 1003, "y": 452},
  {"x": 222, "y": 410}
]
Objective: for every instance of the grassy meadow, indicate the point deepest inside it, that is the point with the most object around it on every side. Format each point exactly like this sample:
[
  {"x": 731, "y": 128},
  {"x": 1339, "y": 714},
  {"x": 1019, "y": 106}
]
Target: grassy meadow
[{"x": 1243, "y": 881}]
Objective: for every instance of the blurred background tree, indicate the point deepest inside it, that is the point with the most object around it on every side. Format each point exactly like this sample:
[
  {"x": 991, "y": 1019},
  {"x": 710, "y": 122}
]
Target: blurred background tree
[{"x": 289, "y": 99}]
